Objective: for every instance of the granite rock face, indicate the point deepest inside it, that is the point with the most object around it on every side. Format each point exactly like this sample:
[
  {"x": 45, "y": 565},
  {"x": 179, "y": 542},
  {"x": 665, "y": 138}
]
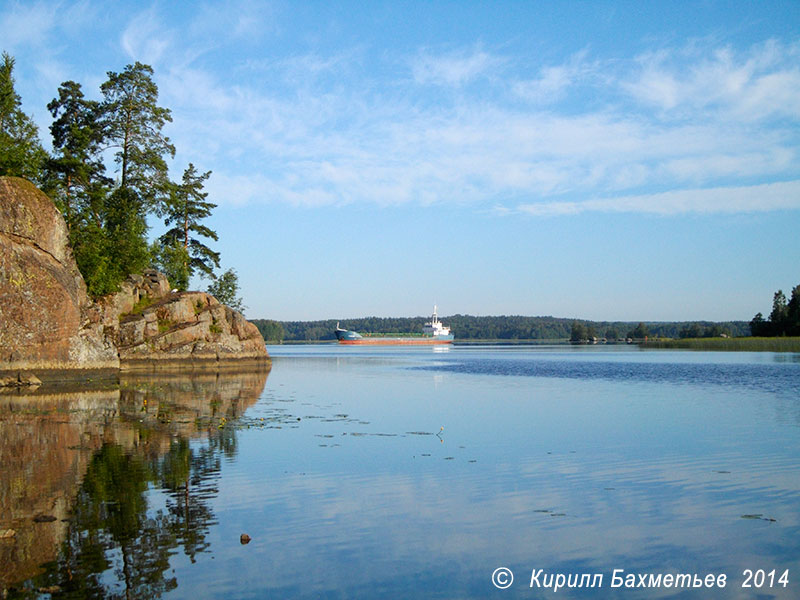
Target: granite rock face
[
  {"x": 153, "y": 327},
  {"x": 45, "y": 320},
  {"x": 49, "y": 325}
]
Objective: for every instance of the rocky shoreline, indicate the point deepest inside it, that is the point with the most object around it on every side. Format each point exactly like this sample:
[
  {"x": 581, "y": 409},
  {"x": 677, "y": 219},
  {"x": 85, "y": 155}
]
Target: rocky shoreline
[{"x": 51, "y": 331}]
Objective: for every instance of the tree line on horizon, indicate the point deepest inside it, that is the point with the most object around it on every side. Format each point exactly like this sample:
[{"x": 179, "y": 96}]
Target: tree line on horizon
[
  {"x": 784, "y": 320},
  {"x": 107, "y": 217},
  {"x": 467, "y": 327}
]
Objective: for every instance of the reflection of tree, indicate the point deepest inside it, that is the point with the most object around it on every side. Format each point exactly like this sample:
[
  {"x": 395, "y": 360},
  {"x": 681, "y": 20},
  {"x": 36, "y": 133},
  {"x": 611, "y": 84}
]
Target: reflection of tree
[
  {"x": 111, "y": 528},
  {"x": 141, "y": 490},
  {"x": 189, "y": 478}
]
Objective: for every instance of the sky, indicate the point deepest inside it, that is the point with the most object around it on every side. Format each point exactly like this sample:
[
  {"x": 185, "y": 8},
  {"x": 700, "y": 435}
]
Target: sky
[{"x": 635, "y": 161}]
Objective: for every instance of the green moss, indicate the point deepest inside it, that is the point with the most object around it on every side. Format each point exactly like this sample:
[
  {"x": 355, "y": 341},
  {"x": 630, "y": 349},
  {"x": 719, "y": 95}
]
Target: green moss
[
  {"x": 214, "y": 328},
  {"x": 139, "y": 307},
  {"x": 164, "y": 325}
]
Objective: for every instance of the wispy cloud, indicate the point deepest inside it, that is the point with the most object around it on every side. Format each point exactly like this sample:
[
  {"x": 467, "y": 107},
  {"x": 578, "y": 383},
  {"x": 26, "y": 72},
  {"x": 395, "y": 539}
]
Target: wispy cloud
[
  {"x": 28, "y": 23},
  {"x": 755, "y": 84},
  {"x": 470, "y": 125},
  {"x": 553, "y": 81},
  {"x": 453, "y": 68},
  {"x": 720, "y": 200},
  {"x": 146, "y": 39},
  {"x": 334, "y": 144}
]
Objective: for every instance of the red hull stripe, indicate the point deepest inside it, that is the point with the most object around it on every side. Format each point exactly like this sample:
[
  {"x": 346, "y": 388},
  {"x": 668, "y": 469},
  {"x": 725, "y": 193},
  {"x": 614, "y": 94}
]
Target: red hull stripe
[{"x": 392, "y": 342}]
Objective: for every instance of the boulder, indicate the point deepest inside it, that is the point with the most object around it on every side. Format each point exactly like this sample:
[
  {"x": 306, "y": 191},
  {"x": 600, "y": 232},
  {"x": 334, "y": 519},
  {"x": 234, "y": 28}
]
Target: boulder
[
  {"x": 45, "y": 312},
  {"x": 187, "y": 329}
]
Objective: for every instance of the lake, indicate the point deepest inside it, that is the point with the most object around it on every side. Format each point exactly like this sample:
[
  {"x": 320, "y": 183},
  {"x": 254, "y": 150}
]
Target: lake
[{"x": 412, "y": 473}]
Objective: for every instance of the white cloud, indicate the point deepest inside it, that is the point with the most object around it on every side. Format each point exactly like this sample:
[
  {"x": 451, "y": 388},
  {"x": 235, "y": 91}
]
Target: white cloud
[
  {"x": 720, "y": 200},
  {"x": 26, "y": 23},
  {"x": 453, "y": 69},
  {"x": 145, "y": 39},
  {"x": 310, "y": 128},
  {"x": 555, "y": 80},
  {"x": 760, "y": 82}
]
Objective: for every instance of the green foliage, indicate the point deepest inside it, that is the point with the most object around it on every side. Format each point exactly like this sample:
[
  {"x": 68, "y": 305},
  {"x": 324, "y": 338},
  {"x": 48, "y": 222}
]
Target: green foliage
[
  {"x": 225, "y": 288},
  {"x": 91, "y": 248},
  {"x": 640, "y": 332},
  {"x": 107, "y": 220},
  {"x": 126, "y": 227},
  {"x": 696, "y": 330},
  {"x": 271, "y": 331},
  {"x": 578, "y": 333},
  {"x": 132, "y": 123},
  {"x": 185, "y": 207},
  {"x": 793, "y": 313},
  {"x": 21, "y": 153},
  {"x": 582, "y": 332},
  {"x": 76, "y": 174},
  {"x": 784, "y": 318},
  {"x": 172, "y": 260}
]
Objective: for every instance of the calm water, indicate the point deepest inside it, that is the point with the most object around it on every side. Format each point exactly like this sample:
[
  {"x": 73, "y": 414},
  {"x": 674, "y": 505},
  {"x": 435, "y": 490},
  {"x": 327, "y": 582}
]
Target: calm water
[{"x": 409, "y": 473}]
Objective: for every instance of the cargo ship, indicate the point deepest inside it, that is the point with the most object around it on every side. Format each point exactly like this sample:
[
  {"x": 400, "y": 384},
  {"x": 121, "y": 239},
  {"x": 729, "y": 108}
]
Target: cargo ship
[{"x": 433, "y": 332}]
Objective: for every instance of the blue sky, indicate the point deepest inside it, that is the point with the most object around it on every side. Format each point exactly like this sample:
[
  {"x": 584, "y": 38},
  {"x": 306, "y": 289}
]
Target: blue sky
[{"x": 602, "y": 160}]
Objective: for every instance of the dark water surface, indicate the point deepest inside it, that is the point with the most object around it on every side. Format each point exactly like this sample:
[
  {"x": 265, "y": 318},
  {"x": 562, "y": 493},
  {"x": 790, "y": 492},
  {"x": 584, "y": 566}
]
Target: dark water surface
[{"x": 410, "y": 473}]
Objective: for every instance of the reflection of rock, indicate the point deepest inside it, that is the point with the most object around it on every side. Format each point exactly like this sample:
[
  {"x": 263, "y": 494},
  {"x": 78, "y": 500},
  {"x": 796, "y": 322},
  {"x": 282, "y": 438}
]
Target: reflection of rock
[
  {"x": 181, "y": 404},
  {"x": 47, "y": 441}
]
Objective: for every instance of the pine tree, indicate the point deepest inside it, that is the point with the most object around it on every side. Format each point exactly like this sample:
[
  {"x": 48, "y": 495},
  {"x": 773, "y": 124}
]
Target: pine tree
[
  {"x": 133, "y": 122},
  {"x": 21, "y": 153},
  {"x": 185, "y": 208},
  {"x": 77, "y": 173}
]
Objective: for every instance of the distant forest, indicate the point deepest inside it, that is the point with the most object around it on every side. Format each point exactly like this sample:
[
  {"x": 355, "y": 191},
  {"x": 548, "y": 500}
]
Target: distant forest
[{"x": 466, "y": 327}]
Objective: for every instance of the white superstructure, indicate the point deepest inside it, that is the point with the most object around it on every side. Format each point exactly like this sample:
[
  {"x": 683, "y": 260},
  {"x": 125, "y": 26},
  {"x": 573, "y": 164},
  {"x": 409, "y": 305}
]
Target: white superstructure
[{"x": 435, "y": 327}]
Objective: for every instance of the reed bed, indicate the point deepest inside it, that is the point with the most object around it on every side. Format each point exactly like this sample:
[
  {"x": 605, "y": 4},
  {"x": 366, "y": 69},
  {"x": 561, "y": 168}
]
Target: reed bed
[{"x": 747, "y": 344}]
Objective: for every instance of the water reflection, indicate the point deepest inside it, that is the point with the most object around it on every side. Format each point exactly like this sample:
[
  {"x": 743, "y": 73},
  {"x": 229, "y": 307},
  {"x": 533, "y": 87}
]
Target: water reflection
[
  {"x": 76, "y": 518},
  {"x": 574, "y": 461}
]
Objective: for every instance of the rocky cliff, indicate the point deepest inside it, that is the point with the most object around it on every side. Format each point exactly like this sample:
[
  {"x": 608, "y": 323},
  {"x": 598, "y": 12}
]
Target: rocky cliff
[
  {"x": 49, "y": 325},
  {"x": 44, "y": 308},
  {"x": 153, "y": 328}
]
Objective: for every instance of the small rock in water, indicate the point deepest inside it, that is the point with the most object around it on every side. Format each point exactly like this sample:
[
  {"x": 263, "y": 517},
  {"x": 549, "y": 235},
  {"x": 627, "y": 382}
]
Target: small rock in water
[{"x": 244, "y": 539}]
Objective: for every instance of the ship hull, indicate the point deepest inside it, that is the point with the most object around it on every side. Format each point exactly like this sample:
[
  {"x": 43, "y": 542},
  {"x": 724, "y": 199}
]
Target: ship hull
[{"x": 364, "y": 341}]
